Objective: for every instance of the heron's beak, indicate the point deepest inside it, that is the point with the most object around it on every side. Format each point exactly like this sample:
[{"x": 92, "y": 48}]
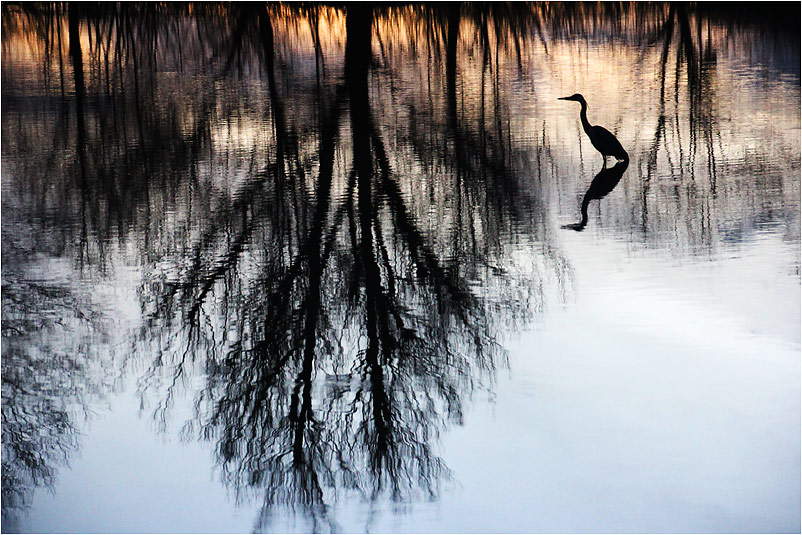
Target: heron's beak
[{"x": 564, "y": 98}]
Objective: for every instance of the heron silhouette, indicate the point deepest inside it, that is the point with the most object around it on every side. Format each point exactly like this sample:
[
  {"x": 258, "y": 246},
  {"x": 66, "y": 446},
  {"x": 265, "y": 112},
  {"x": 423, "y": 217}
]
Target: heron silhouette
[
  {"x": 603, "y": 183},
  {"x": 601, "y": 138}
]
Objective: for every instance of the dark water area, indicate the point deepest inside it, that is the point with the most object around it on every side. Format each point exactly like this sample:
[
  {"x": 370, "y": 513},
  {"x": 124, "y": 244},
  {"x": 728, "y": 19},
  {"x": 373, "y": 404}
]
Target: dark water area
[{"x": 306, "y": 267}]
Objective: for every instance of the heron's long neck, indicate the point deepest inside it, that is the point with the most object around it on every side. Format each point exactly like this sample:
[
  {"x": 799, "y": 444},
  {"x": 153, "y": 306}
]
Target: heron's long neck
[{"x": 583, "y": 115}]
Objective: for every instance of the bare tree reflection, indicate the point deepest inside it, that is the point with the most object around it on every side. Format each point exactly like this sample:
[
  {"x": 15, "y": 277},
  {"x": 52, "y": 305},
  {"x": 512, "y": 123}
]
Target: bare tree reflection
[
  {"x": 690, "y": 142},
  {"x": 338, "y": 356},
  {"x": 53, "y": 369}
]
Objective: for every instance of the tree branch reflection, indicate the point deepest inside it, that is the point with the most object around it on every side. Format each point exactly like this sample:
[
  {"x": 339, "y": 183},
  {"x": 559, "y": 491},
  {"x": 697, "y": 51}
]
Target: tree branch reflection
[{"x": 337, "y": 342}]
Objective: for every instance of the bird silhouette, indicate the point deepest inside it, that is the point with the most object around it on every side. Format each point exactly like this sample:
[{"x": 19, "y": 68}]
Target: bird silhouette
[
  {"x": 603, "y": 183},
  {"x": 601, "y": 138}
]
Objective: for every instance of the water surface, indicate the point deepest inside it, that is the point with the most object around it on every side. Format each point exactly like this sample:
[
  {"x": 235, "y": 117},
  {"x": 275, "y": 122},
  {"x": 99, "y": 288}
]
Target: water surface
[{"x": 311, "y": 268}]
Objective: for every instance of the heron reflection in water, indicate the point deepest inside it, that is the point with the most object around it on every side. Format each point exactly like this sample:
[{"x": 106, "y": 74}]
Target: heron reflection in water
[
  {"x": 603, "y": 183},
  {"x": 601, "y": 138}
]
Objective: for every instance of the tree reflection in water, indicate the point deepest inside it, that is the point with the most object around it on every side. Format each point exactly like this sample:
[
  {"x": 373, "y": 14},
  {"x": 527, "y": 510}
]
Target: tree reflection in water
[
  {"x": 54, "y": 369},
  {"x": 330, "y": 207},
  {"x": 337, "y": 341}
]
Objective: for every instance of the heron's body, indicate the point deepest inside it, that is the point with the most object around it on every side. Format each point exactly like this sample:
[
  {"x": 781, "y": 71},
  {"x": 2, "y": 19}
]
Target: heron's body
[{"x": 601, "y": 138}]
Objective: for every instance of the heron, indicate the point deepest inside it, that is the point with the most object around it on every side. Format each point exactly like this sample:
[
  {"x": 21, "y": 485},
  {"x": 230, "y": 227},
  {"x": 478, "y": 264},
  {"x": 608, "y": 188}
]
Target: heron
[{"x": 601, "y": 138}]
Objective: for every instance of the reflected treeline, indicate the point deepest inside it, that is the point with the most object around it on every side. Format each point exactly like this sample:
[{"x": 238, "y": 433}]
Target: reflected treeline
[
  {"x": 246, "y": 156},
  {"x": 674, "y": 79},
  {"x": 337, "y": 337},
  {"x": 636, "y": 24},
  {"x": 691, "y": 144},
  {"x": 117, "y": 143},
  {"x": 337, "y": 211}
]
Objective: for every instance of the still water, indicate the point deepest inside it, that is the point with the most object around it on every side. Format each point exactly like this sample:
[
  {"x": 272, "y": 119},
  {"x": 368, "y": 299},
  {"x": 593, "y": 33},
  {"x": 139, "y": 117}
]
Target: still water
[{"x": 310, "y": 268}]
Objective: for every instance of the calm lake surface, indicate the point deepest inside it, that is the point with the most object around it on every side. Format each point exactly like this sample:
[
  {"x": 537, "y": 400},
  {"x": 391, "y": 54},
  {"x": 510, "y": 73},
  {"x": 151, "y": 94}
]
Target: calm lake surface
[{"x": 309, "y": 268}]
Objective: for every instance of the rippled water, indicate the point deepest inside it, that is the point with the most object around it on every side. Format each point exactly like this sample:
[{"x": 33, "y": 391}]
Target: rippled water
[{"x": 308, "y": 268}]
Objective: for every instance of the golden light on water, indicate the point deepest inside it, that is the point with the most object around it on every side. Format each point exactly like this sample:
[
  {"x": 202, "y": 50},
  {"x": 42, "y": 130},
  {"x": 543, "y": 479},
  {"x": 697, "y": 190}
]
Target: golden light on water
[{"x": 511, "y": 64}]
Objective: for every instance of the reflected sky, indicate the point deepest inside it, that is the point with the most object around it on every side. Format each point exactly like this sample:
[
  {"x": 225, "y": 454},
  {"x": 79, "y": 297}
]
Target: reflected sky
[{"x": 325, "y": 257}]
